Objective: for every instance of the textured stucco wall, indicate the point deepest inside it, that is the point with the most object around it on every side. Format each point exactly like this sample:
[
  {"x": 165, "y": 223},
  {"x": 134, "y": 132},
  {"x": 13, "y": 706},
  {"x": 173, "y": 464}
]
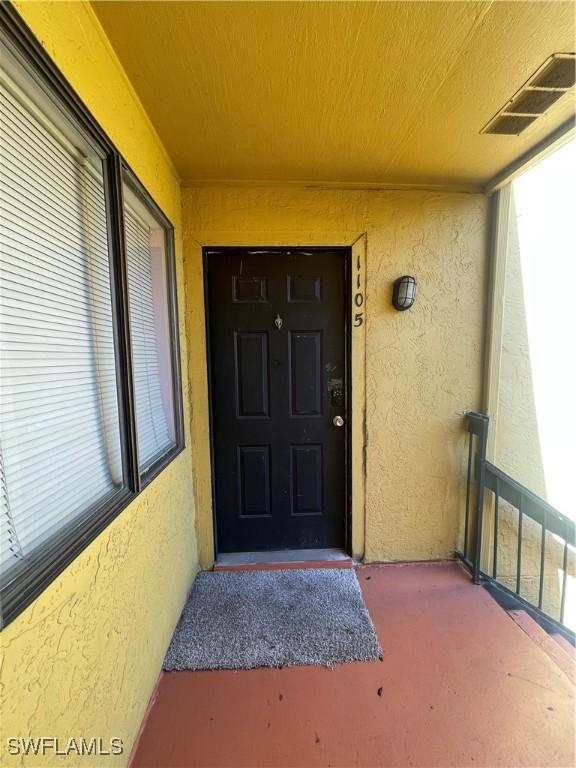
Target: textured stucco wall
[
  {"x": 83, "y": 659},
  {"x": 423, "y": 367}
]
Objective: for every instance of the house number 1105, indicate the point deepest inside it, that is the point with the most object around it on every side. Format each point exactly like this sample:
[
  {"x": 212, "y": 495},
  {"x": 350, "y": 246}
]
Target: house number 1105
[{"x": 358, "y": 298}]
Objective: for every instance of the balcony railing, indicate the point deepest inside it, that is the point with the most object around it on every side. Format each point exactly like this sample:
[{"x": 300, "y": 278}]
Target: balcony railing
[{"x": 489, "y": 493}]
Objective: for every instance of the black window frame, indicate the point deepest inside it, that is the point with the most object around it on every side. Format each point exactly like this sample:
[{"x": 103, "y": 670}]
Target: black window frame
[
  {"x": 28, "y": 579},
  {"x": 129, "y": 177}
]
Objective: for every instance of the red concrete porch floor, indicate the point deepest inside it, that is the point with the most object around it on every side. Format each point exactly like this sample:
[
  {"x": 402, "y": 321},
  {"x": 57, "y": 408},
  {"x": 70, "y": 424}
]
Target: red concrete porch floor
[{"x": 461, "y": 684}]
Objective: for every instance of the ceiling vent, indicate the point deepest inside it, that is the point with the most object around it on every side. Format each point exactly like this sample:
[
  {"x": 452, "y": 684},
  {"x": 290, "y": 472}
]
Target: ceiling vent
[{"x": 548, "y": 84}]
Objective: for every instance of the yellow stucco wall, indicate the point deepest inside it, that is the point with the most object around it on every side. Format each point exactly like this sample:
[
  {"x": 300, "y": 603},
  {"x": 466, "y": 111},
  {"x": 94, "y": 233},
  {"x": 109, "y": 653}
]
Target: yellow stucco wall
[
  {"x": 83, "y": 659},
  {"x": 423, "y": 367}
]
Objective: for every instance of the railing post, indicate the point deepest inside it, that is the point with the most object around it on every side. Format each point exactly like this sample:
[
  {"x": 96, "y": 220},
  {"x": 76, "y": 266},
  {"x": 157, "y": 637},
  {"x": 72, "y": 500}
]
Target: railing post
[{"x": 479, "y": 425}]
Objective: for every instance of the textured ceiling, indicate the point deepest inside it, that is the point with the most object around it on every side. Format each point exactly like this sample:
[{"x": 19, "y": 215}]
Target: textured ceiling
[{"x": 356, "y": 92}]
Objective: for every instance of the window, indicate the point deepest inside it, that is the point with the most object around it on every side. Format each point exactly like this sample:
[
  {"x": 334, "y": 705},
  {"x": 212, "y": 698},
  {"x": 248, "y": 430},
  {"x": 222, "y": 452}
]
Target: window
[
  {"x": 60, "y": 433},
  {"x": 86, "y": 277},
  {"x": 148, "y": 285}
]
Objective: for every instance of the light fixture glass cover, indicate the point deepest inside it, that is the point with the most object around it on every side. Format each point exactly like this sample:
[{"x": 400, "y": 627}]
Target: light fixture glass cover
[{"x": 404, "y": 292}]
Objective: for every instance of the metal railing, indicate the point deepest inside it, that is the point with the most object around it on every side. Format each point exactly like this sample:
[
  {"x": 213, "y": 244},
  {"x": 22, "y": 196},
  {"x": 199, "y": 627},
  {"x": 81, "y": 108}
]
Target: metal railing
[{"x": 487, "y": 487}]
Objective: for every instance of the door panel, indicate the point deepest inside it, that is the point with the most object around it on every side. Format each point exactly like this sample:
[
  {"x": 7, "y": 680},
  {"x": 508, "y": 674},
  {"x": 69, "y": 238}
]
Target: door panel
[
  {"x": 307, "y": 480},
  {"x": 254, "y": 480},
  {"x": 251, "y": 374},
  {"x": 304, "y": 375},
  {"x": 276, "y": 323}
]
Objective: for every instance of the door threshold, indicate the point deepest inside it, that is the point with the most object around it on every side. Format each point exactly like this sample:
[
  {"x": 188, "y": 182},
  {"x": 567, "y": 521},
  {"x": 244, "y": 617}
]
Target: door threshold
[{"x": 286, "y": 558}]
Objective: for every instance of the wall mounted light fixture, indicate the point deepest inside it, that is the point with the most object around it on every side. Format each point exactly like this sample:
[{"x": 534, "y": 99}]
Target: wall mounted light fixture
[{"x": 404, "y": 292}]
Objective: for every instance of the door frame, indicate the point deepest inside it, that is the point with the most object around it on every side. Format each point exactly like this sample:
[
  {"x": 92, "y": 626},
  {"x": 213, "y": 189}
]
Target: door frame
[{"x": 349, "y": 306}]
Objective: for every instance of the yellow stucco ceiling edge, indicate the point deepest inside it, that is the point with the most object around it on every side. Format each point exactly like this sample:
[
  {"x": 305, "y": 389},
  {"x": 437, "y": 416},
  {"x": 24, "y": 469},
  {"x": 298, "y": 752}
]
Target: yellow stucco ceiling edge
[
  {"x": 130, "y": 88},
  {"x": 525, "y": 161},
  {"x": 506, "y": 175},
  {"x": 471, "y": 188}
]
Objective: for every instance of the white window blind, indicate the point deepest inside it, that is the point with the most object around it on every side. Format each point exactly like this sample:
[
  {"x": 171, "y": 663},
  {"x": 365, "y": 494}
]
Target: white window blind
[
  {"x": 147, "y": 298},
  {"x": 59, "y": 428}
]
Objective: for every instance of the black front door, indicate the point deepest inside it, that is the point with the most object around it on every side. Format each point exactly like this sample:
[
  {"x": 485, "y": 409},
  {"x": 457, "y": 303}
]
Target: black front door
[{"x": 277, "y": 367}]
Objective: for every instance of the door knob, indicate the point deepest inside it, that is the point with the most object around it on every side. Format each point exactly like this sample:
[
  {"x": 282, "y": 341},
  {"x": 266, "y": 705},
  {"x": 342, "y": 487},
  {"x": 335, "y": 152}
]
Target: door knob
[{"x": 338, "y": 421}]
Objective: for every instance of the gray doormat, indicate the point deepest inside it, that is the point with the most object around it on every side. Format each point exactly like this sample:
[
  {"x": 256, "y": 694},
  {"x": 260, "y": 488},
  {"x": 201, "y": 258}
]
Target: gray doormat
[{"x": 282, "y": 618}]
